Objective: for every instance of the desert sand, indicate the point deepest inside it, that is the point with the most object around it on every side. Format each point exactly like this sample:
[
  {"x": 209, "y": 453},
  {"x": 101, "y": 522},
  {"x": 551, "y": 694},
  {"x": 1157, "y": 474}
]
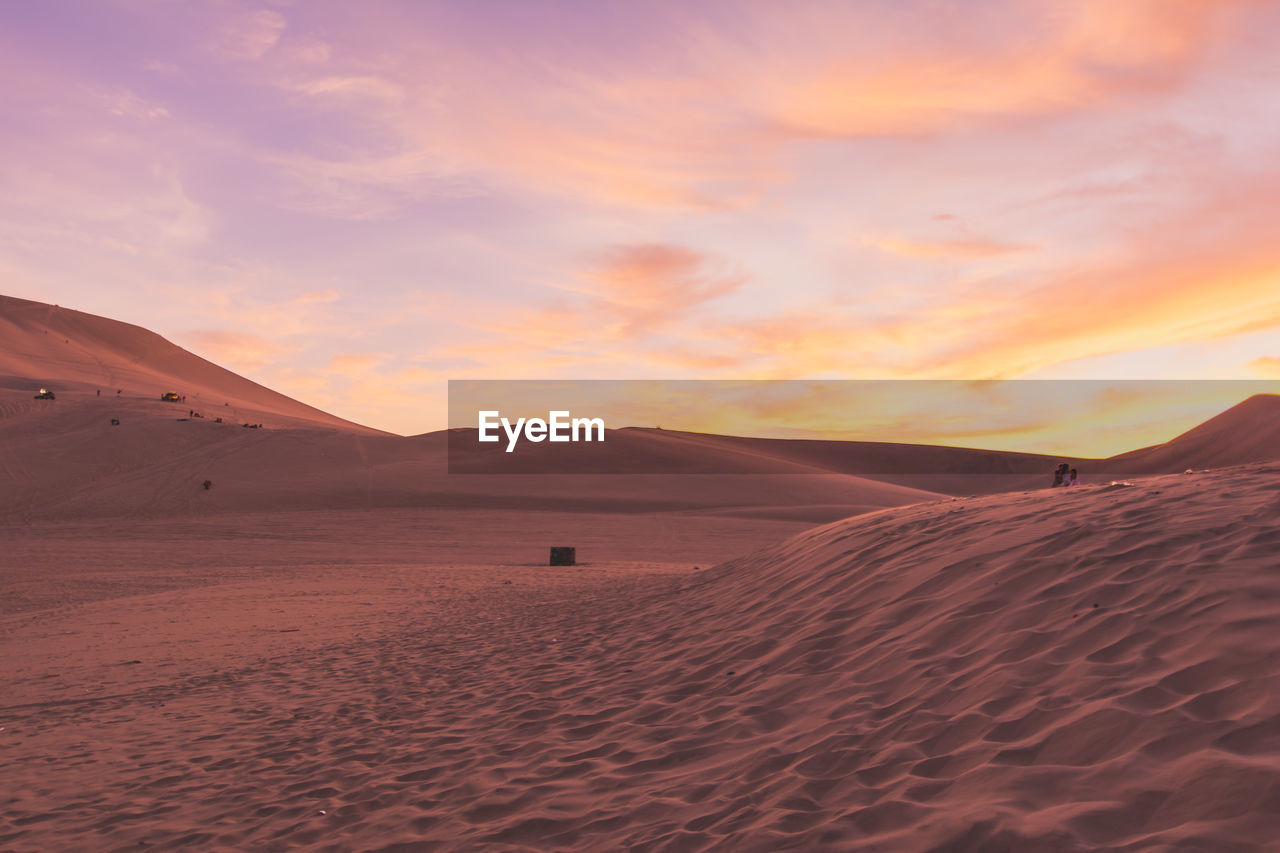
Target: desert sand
[{"x": 339, "y": 647}]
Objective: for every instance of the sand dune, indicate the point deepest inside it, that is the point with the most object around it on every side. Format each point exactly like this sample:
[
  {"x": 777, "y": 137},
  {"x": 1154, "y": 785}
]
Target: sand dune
[
  {"x": 1037, "y": 671},
  {"x": 70, "y": 351},
  {"x": 1247, "y": 432}
]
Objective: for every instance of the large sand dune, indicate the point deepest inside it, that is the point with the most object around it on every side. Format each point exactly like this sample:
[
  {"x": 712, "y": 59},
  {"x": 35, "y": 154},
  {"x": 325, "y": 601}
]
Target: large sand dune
[
  {"x": 1049, "y": 671},
  {"x": 1247, "y": 432},
  {"x": 69, "y": 350}
]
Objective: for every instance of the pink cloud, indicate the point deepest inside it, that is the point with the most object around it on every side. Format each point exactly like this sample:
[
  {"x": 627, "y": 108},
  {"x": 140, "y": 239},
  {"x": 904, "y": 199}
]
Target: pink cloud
[{"x": 247, "y": 36}]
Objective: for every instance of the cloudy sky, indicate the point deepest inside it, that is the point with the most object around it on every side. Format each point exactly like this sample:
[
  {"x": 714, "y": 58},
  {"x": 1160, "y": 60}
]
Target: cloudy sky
[{"x": 353, "y": 203}]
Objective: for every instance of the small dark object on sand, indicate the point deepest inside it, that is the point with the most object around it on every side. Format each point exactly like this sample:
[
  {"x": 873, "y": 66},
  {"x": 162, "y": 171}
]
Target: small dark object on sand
[
  {"x": 208, "y": 484},
  {"x": 115, "y": 422},
  {"x": 563, "y": 556}
]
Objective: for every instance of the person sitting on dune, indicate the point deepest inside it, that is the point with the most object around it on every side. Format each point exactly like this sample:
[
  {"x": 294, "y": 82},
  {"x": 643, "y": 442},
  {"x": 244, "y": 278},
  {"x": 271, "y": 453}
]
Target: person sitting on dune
[
  {"x": 1075, "y": 478},
  {"x": 1060, "y": 474}
]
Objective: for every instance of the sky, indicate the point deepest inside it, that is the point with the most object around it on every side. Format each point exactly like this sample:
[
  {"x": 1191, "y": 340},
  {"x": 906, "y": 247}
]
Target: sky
[{"x": 355, "y": 203}]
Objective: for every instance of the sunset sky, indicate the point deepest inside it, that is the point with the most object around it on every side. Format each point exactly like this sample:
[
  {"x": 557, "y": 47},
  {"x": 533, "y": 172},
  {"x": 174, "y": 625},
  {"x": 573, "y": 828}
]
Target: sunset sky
[{"x": 353, "y": 203}]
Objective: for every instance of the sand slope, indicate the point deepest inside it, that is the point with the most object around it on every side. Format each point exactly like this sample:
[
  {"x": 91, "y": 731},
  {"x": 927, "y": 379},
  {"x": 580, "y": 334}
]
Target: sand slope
[
  {"x": 69, "y": 351},
  {"x": 1049, "y": 671},
  {"x": 1247, "y": 432}
]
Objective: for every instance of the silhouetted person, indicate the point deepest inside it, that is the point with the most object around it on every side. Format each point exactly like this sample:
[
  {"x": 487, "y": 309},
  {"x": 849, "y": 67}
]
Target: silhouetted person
[
  {"x": 1075, "y": 478},
  {"x": 99, "y": 392},
  {"x": 1060, "y": 474},
  {"x": 208, "y": 484}
]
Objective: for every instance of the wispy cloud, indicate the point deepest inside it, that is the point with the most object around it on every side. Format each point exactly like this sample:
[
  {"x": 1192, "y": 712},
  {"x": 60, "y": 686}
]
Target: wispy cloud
[
  {"x": 247, "y": 36},
  {"x": 948, "y": 249},
  {"x": 623, "y": 293},
  {"x": 966, "y": 66},
  {"x": 642, "y": 288},
  {"x": 356, "y": 363}
]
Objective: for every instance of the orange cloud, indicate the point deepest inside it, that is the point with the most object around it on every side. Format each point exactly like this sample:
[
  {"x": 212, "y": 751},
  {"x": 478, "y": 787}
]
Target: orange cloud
[
  {"x": 1268, "y": 366},
  {"x": 648, "y": 285},
  {"x": 962, "y": 250},
  {"x": 1055, "y": 58},
  {"x": 1167, "y": 290},
  {"x": 356, "y": 364},
  {"x": 626, "y": 293},
  {"x": 237, "y": 350},
  {"x": 260, "y": 301}
]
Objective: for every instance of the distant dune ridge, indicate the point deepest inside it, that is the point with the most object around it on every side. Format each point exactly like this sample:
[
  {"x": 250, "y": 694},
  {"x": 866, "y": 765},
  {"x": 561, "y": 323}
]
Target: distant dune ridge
[
  {"x": 339, "y": 647},
  {"x": 309, "y": 459},
  {"x": 66, "y": 460}
]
